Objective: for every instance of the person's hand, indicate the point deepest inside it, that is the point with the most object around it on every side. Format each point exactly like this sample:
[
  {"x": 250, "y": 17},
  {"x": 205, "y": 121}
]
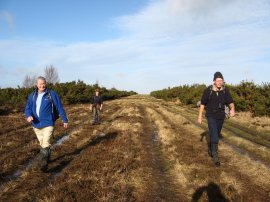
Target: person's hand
[
  {"x": 30, "y": 119},
  {"x": 90, "y": 108},
  {"x": 100, "y": 109},
  {"x": 232, "y": 113},
  {"x": 200, "y": 120},
  {"x": 65, "y": 125}
]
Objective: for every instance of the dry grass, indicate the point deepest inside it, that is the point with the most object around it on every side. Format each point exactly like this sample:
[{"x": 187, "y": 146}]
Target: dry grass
[
  {"x": 259, "y": 123},
  {"x": 253, "y": 149},
  {"x": 261, "y": 177},
  {"x": 18, "y": 146},
  {"x": 119, "y": 161}
]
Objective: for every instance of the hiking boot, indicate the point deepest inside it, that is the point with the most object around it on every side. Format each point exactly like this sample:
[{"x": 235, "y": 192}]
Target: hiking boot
[
  {"x": 216, "y": 161},
  {"x": 209, "y": 150},
  {"x": 44, "y": 167},
  {"x": 45, "y": 156},
  {"x": 214, "y": 148},
  {"x": 49, "y": 155}
]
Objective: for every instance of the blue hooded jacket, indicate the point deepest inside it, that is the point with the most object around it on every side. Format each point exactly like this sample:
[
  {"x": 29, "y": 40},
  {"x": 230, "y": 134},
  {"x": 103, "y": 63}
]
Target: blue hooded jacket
[{"x": 46, "y": 117}]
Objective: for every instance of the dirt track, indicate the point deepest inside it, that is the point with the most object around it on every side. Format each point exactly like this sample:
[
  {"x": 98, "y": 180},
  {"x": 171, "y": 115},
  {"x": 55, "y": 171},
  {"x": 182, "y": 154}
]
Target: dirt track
[{"x": 141, "y": 152}]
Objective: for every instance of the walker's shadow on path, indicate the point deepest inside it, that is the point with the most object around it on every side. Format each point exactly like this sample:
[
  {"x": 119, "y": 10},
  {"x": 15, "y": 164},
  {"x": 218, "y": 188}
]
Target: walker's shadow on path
[{"x": 213, "y": 193}]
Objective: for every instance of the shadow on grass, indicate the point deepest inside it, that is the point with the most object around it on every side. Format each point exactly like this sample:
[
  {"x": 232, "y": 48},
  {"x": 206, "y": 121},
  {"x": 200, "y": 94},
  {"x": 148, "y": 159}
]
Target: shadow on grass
[
  {"x": 213, "y": 193},
  {"x": 205, "y": 135}
]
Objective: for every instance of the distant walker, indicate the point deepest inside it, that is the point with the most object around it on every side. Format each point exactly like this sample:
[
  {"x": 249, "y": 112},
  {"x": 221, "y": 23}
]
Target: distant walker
[
  {"x": 215, "y": 98},
  {"x": 96, "y": 107}
]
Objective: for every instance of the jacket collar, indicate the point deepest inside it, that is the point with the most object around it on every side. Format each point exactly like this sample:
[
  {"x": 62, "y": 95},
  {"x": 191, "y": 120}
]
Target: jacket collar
[
  {"x": 214, "y": 88},
  {"x": 46, "y": 90},
  {"x": 36, "y": 91}
]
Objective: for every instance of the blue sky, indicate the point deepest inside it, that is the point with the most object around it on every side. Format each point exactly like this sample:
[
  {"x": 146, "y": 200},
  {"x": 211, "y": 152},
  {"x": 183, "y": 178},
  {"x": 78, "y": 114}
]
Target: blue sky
[{"x": 140, "y": 45}]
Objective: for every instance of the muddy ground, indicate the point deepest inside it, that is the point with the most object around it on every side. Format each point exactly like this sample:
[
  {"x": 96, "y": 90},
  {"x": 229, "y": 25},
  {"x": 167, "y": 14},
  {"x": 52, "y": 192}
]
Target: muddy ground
[{"x": 144, "y": 150}]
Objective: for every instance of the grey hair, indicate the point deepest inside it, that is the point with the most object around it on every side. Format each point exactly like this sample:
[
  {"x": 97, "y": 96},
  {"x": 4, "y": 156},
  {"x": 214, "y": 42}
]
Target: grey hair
[{"x": 41, "y": 78}]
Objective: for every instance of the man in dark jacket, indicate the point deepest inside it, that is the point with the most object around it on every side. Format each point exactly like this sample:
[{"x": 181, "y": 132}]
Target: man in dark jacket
[
  {"x": 96, "y": 107},
  {"x": 42, "y": 109},
  {"x": 214, "y": 99}
]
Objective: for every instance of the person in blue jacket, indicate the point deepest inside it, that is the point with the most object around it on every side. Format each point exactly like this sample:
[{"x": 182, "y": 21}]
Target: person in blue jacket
[{"x": 42, "y": 109}]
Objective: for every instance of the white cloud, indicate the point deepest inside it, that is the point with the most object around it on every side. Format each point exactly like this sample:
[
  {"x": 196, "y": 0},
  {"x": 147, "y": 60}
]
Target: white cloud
[
  {"x": 171, "y": 17},
  {"x": 8, "y": 18},
  {"x": 168, "y": 43}
]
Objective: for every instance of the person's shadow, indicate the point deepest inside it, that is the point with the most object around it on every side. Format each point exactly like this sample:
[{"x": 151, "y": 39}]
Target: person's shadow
[
  {"x": 205, "y": 135},
  {"x": 213, "y": 193}
]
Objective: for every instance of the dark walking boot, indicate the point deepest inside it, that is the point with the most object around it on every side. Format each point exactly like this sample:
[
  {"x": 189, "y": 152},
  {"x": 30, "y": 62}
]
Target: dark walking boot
[
  {"x": 209, "y": 150},
  {"x": 94, "y": 122},
  {"x": 44, "y": 158},
  {"x": 214, "y": 148},
  {"x": 98, "y": 121},
  {"x": 49, "y": 155}
]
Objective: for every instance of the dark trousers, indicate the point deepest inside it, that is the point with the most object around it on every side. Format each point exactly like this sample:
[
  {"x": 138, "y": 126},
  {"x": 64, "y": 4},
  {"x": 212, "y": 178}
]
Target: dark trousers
[{"x": 214, "y": 126}]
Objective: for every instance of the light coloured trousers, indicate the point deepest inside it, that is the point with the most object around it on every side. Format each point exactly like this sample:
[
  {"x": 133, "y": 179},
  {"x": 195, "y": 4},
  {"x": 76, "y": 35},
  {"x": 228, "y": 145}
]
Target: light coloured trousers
[{"x": 44, "y": 135}]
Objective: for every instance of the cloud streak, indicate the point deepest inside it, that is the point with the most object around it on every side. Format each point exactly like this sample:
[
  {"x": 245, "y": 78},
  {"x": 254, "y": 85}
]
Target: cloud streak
[
  {"x": 7, "y": 17},
  {"x": 167, "y": 43},
  {"x": 192, "y": 16}
]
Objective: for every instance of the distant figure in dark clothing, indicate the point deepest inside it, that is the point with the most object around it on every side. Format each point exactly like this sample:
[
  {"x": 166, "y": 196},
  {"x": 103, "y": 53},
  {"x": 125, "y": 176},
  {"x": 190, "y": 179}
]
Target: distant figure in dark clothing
[
  {"x": 214, "y": 99},
  {"x": 96, "y": 106}
]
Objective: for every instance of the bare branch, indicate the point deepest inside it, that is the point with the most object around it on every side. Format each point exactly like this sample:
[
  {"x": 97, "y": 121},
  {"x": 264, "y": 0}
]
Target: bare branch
[
  {"x": 29, "y": 81},
  {"x": 51, "y": 74}
]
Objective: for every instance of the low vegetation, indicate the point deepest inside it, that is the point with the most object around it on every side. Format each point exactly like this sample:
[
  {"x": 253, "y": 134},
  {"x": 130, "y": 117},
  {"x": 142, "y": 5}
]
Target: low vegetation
[
  {"x": 248, "y": 96},
  {"x": 145, "y": 149},
  {"x": 14, "y": 99}
]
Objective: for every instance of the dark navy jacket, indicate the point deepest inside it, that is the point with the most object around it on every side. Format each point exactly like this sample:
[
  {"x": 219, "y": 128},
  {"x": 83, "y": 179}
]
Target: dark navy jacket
[
  {"x": 215, "y": 102},
  {"x": 46, "y": 113},
  {"x": 96, "y": 100}
]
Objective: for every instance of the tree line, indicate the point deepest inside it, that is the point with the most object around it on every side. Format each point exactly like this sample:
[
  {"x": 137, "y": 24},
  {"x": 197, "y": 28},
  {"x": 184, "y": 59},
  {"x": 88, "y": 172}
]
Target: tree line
[
  {"x": 247, "y": 96},
  {"x": 14, "y": 99}
]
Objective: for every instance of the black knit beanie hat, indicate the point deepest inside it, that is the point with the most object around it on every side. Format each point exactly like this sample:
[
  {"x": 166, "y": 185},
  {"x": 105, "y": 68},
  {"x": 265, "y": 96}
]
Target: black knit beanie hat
[{"x": 217, "y": 75}]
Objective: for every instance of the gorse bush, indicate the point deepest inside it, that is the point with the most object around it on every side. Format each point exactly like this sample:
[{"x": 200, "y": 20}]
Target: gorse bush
[
  {"x": 247, "y": 96},
  {"x": 187, "y": 94},
  {"x": 14, "y": 99}
]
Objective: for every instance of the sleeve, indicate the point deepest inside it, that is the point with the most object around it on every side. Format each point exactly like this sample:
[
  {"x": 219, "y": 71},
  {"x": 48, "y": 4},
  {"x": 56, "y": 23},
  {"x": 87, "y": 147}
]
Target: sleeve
[
  {"x": 228, "y": 97},
  {"x": 101, "y": 99},
  {"x": 92, "y": 100},
  {"x": 205, "y": 97},
  {"x": 28, "y": 107},
  {"x": 59, "y": 106}
]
